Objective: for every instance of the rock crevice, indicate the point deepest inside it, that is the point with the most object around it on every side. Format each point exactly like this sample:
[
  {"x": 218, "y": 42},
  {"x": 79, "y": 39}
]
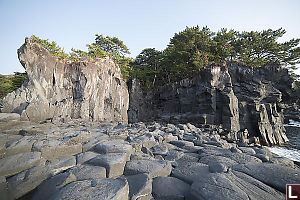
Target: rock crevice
[{"x": 91, "y": 91}]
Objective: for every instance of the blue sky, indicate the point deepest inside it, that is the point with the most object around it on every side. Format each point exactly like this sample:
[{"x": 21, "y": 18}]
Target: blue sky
[{"x": 139, "y": 23}]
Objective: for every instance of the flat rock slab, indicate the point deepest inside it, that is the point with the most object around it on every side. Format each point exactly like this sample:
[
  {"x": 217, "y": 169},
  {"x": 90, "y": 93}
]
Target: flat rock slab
[
  {"x": 14, "y": 164},
  {"x": 113, "y": 146},
  {"x": 52, "y": 185},
  {"x": 103, "y": 188},
  {"x": 276, "y": 176},
  {"x": 140, "y": 186},
  {"x": 154, "y": 168},
  {"x": 169, "y": 188},
  {"x": 5, "y": 117},
  {"x": 190, "y": 172},
  {"x": 113, "y": 162},
  {"x": 85, "y": 156},
  {"x": 83, "y": 172},
  {"x": 24, "y": 182},
  {"x": 228, "y": 186}
]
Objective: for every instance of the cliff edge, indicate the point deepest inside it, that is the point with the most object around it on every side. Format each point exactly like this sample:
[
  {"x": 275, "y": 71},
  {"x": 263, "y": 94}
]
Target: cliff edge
[{"x": 91, "y": 91}]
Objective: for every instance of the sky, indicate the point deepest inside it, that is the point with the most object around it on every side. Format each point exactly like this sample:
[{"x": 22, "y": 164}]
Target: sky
[{"x": 139, "y": 23}]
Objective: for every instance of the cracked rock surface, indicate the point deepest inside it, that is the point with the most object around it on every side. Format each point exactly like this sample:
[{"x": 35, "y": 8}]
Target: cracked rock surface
[{"x": 136, "y": 161}]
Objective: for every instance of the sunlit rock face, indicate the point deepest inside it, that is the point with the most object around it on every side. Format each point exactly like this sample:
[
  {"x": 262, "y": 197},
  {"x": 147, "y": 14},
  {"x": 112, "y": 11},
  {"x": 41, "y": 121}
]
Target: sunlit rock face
[{"x": 91, "y": 90}]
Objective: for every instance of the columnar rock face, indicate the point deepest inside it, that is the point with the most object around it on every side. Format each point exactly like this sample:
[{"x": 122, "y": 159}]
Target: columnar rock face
[
  {"x": 234, "y": 96},
  {"x": 91, "y": 91}
]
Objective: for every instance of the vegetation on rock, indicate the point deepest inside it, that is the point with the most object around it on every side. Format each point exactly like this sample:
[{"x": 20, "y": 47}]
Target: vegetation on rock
[
  {"x": 9, "y": 83},
  {"x": 195, "y": 48},
  {"x": 102, "y": 47}
]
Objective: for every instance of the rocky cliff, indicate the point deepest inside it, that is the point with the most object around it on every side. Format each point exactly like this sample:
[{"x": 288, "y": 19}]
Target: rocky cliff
[
  {"x": 91, "y": 91},
  {"x": 244, "y": 101}
]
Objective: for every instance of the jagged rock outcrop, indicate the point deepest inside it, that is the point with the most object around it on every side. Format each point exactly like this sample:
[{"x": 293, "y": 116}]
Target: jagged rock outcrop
[
  {"x": 91, "y": 91},
  {"x": 243, "y": 100}
]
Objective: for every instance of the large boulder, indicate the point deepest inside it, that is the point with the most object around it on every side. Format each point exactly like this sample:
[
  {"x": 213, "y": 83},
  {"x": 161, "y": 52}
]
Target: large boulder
[{"x": 90, "y": 90}]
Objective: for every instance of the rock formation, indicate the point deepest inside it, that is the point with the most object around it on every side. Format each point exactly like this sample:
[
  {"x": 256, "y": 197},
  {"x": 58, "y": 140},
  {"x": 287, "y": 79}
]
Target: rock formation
[
  {"x": 94, "y": 160},
  {"x": 91, "y": 91},
  {"x": 242, "y": 100}
]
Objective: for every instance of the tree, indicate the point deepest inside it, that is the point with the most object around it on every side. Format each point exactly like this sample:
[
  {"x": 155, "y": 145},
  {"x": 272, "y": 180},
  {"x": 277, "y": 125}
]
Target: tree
[
  {"x": 189, "y": 50},
  {"x": 52, "y": 47},
  {"x": 147, "y": 68},
  {"x": 114, "y": 48},
  {"x": 259, "y": 48}
]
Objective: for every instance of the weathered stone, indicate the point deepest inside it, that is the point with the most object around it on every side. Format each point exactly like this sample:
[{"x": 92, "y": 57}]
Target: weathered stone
[
  {"x": 273, "y": 175},
  {"x": 20, "y": 146},
  {"x": 141, "y": 156},
  {"x": 82, "y": 172},
  {"x": 217, "y": 167},
  {"x": 263, "y": 157},
  {"x": 59, "y": 150},
  {"x": 182, "y": 143},
  {"x": 14, "y": 164},
  {"x": 3, "y": 188},
  {"x": 190, "y": 172},
  {"x": 169, "y": 188},
  {"x": 243, "y": 100},
  {"x": 160, "y": 149},
  {"x": 24, "y": 182},
  {"x": 114, "y": 163},
  {"x": 64, "y": 90},
  {"x": 113, "y": 146},
  {"x": 247, "y": 150},
  {"x": 52, "y": 185},
  {"x": 282, "y": 161},
  {"x": 58, "y": 165},
  {"x": 154, "y": 168},
  {"x": 140, "y": 187},
  {"x": 230, "y": 186},
  {"x": 103, "y": 188},
  {"x": 5, "y": 117},
  {"x": 85, "y": 156}
]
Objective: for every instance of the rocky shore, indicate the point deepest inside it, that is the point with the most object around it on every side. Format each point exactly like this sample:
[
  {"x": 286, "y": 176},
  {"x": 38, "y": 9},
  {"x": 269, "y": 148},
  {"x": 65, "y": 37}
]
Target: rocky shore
[
  {"x": 74, "y": 131},
  {"x": 93, "y": 160}
]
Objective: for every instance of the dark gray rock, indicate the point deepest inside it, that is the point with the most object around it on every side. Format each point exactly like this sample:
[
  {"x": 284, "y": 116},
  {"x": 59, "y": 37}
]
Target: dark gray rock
[
  {"x": 230, "y": 186},
  {"x": 140, "y": 187},
  {"x": 273, "y": 175},
  {"x": 113, "y": 146},
  {"x": 3, "y": 188},
  {"x": 82, "y": 172},
  {"x": 103, "y": 188},
  {"x": 235, "y": 96},
  {"x": 114, "y": 163},
  {"x": 190, "y": 172},
  {"x": 84, "y": 157},
  {"x": 154, "y": 168},
  {"x": 14, "y": 164},
  {"x": 26, "y": 181},
  {"x": 282, "y": 161},
  {"x": 169, "y": 188},
  {"x": 53, "y": 185}
]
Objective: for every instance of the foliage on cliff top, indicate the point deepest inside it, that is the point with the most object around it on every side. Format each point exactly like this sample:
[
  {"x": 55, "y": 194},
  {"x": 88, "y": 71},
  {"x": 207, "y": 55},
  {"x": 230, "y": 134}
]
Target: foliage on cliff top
[
  {"x": 194, "y": 48},
  {"x": 102, "y": 47},
  {"x": 9, "y": 83}
]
